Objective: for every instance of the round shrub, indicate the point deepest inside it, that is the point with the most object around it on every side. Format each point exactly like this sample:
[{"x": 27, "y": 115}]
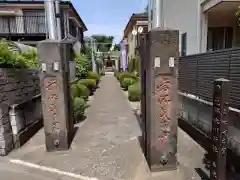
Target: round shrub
[
  {"x": 127, "y": 82},
  {"x": 79, "y": 106},
  {"x": 93, "y": 75},
  {"x": 125, "y": 75},
  {"x": 89, "y": 83},
  {"x": 74, "y": 91},
  {"x": 134, "y": 92},
  {"x": 83, "y": 91}
]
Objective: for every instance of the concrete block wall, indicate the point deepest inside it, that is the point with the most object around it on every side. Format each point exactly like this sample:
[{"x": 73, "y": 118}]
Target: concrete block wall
[
  {"x": 16, "y": 86},
  {"x": 200, "y": 116}
]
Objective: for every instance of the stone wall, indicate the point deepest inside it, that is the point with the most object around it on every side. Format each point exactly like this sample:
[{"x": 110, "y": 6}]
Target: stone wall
[{"x": 17, "y": 86}]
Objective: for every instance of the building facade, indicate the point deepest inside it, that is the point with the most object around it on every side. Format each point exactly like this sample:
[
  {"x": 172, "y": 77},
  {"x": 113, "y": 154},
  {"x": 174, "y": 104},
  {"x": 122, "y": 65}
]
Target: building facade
[
  {"x": 204, "y": 25},
  {"x": 136, "y": 20},
  {"x": 24, "y": 21}
]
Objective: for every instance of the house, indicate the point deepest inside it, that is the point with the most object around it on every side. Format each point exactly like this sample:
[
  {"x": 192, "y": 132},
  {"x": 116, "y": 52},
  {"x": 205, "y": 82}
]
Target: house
[
  {"x": 24, "y": 21},
  {"x": 204, "y": 25},
  {"x": 136, "y": 20}
]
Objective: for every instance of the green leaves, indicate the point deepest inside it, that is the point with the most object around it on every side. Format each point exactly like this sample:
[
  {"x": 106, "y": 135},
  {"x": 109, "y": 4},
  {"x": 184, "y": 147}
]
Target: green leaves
[
  {"x": 83, "y": 65},
  {"x": 104, "y": 42},
  {"x": 11, "y": 57}
]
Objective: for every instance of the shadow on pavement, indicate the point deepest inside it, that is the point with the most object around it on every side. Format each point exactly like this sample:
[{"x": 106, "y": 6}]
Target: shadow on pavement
[{"x": 75, "y": 129}]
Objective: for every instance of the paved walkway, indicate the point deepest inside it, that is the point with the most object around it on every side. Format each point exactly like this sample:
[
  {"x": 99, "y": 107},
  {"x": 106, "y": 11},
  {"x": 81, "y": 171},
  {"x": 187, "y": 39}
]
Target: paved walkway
[{"x": 105, "y": 146}]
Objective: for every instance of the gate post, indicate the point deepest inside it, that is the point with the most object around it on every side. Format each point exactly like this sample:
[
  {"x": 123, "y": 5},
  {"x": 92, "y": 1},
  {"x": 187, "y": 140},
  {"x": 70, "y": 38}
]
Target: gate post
[
  {"x": 221, "y": 90},
  {"x": 54, "y": 82},
  {"x": 162, "y": 102},
  {"x": 143, "y": 58}
]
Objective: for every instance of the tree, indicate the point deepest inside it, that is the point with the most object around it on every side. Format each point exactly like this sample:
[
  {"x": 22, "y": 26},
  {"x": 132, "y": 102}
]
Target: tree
[
  {"x": 117, "y": 47},
  {"x": 104, "y": 42}
]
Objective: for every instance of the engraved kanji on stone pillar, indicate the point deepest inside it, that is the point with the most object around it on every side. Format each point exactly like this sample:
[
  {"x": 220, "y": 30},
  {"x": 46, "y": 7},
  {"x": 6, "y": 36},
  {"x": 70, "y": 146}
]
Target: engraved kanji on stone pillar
[
  {"x": 54, "y": 80},
  {"x": 219, "y": 129},
  {"x": 162, "y": 119}
]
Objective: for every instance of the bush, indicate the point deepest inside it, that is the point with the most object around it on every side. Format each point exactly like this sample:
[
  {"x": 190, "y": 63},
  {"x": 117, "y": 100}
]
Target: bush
[
  {"x": 79, "y": 106},
  {"x": 93, "y": 75},
  {"x": 11, "y": 57},
  {"x": 83, "y": 65},
  {"x": 124, "y": 75},
  {"x": 89, "y": 83},
  {"x": 127, "y": 82},
  {"x": 134, "y": 92},
  {"x": 75, "y": 91},
  {"x": 29, "y": 58},
  {"x": 83, "y": 91}
]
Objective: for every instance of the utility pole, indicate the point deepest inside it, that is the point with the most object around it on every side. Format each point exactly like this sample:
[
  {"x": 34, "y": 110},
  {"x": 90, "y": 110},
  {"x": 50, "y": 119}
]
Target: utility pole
[
  {"x": 155, "y": 14},
  {"x": 59, "y": 32},
  {"x": 150, "y": 14},
  {"x": 92, "y": 50},
  {"x": 51, "y": 19}
]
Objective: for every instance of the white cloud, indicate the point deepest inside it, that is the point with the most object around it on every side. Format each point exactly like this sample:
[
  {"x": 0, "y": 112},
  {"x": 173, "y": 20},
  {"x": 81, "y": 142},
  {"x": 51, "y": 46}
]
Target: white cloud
[{"x": 109, "y": 30}]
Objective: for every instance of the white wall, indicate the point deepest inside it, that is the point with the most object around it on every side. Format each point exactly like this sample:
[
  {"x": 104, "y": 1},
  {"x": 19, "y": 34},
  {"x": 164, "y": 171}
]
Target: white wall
[{"x": 183, "y": 15}]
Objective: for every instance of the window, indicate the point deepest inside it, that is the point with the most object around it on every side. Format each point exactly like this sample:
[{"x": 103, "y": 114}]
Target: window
[
  {"x": 8, "y": 24},
  {"x": 34, "y": 20},
  {"x": 219, "y": 38},
  {"x": 184, "y": 44}
]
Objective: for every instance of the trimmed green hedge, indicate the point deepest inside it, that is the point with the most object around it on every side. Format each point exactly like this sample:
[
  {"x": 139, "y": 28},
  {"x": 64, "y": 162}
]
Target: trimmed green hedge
[
  {"x": 134, "y": 92},
  {"x": 127, "y": 82},
  {"x": 124, "y": 75},
  {"x": 75, "y": 91},
  {"x": 91, "y": 84},
  {"x": 93, "y": 75},
  {"x": 79, "y": 106},
  {"x": 83, "y": 91},
  {"x": 80, "y": 90}
]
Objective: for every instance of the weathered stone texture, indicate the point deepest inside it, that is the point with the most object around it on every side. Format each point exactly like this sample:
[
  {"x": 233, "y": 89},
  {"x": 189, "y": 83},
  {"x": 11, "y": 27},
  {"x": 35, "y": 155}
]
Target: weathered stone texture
[{"x": 16, "y": 86}]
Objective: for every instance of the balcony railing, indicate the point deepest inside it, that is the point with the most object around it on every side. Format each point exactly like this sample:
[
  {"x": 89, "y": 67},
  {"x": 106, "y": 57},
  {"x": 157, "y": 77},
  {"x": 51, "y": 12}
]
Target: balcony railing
[{"x": 22, "y": 25}]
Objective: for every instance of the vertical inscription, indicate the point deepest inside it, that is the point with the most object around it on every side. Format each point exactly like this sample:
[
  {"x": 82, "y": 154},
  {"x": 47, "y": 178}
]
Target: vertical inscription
[
  {"x": 164, "y": 101},
  {"x": 163, "y": 88},
  {"x": 51, "y": 91},
  {"x": 219, "y": 130}
]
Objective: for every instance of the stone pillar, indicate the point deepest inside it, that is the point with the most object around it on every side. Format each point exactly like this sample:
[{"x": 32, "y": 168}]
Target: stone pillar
[
  {"x": 219, "y": 129},
  {"x": 54, "y": 83},
  {"x": 162, "y": 105},
  {"x": 143, "y": 57}
]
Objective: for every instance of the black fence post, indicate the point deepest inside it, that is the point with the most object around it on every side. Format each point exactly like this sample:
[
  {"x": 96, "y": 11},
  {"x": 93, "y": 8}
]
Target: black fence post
[{"x": 219, "y": 129}]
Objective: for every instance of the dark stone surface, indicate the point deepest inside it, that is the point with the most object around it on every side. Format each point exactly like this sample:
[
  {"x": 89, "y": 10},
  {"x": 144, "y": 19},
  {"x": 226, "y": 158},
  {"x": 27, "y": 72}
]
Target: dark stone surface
[
  {"x": 23, "y": 136},
  {"x": 162, "y": 105},
  {"x": 16, "y": 86},
  {"x": 57, "y": 115}
]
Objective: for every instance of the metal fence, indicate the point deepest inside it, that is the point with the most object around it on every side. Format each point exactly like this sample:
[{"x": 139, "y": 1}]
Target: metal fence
[
  {"x": 197, "y": 73},
  {"x": 22, "y": 25}
]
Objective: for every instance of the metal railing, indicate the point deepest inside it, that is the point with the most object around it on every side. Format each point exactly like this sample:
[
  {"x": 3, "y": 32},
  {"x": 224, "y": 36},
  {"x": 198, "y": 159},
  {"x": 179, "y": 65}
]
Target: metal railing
[{"x": 22, "y": 25}]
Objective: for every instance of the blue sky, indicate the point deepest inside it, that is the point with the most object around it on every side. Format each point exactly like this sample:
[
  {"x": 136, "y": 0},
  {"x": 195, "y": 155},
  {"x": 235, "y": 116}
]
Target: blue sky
[{"x": 107, "y": 17}]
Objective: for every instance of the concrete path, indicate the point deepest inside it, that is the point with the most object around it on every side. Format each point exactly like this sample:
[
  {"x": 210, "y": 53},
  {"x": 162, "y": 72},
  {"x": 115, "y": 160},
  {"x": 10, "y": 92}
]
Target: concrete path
[{"x": 105, "y": 147}]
